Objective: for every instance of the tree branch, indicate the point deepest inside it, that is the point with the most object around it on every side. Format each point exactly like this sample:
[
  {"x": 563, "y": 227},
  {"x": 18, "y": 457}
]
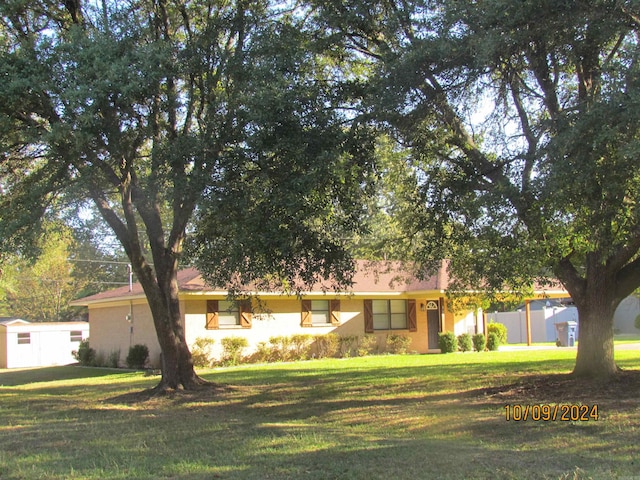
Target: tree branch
[
  {"x": 537, "y": 57},
  {"x": 634, "y": 17},
  {"x": 628, "y": 279},
  {"x": 624, "y": 253},
  {"x": 570, "y": 277},
  {"x": 112, "y": 219}
]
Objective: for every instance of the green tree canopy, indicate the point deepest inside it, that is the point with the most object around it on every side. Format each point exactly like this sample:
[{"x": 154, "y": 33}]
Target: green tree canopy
[
  {"x": 521, "y": 123},
  {"x": 144, "y": 107},
  {"x": 286, "y": 204},
  {"x": 40, "y": 290}
]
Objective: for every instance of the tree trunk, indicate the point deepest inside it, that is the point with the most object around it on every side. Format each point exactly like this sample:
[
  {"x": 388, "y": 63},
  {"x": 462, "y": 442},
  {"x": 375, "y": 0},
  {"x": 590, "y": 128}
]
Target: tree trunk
[
  {"x": 596, "y": 296},
  {"x": 595, "y": 338},
  {"x": 160, "y": 282},
  {"x": 177, "y": 362}
]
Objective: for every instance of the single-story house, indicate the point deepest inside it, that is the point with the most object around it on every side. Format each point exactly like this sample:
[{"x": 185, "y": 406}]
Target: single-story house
[
  {"x": 383, "y": 300},
  {"x": 27, "y": 344}
]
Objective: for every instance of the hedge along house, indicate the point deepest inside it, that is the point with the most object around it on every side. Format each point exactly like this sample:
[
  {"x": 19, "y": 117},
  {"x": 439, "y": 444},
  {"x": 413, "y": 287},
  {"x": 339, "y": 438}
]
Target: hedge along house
[
  {"x": 25, "y": 344},
  {"x": 382, "y": 301}
]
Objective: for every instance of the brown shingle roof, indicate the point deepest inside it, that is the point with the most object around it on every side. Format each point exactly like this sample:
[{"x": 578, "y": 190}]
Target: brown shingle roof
[{"x": 369, "y": 277}]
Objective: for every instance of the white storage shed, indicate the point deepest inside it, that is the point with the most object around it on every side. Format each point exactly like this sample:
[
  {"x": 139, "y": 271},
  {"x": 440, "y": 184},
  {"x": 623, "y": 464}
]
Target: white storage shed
[{"x": 26, "y": 344}]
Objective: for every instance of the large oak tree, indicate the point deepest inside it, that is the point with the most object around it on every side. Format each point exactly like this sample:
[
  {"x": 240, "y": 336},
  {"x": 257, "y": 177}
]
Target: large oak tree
[
  {"x": 521, "y": 121},
  {"x": 143, "y": 107}
]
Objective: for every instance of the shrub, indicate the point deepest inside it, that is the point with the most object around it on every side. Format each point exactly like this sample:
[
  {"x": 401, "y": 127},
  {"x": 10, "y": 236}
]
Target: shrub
[
  {"x": 300, "y": 346},
  {"x": 280, "y": 349},
  {"x": 465, "y": 344},
  {"x": 263, "y": 353},
  {"x": 347, "y": 345},
  {"x": 137, "y": 357},
  {"x": 201, "y": 352},
  {"x": 493, "y": 341},
  {"x": 232, "y": 348},
  {"x": 85, "y": 355},
  {"x": 637, "y": 322},
  {"x": 327, "y": 345},
  {"x": 100, "y": 360},
  {"x": 447, "y": 342},
  {"x": 500, "y": 330},
  {"x": 398, "y": 343},
  {"x": 367, "y": 344},
  {"x": 479, "y": 342},
  {"x": 113, "y": 360}
]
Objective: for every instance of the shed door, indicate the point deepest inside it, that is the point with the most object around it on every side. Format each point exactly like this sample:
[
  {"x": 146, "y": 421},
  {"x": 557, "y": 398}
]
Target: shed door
[{"x": 433, "y": 323}]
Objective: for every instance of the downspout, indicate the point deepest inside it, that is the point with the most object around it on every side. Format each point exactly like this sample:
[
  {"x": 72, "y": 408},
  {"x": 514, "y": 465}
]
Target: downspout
[{"x": 130, "y": 315}]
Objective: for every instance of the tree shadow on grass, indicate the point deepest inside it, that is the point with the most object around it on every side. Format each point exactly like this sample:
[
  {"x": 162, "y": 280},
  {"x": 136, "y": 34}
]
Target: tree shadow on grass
[
  {"x": 314, "y": 393},
  {"x": 25, "y": 376},
  {"x": 205, "y": 392},
  {"x": 620, "y": 392},
  {"x": 313, "y": 427}
]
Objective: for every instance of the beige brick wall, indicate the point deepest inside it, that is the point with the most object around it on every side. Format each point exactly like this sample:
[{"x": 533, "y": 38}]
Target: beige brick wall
[
  {"x": 111, "y": 331},
  {"x": 285, "y": 319},
  {"x": 279, "y": 317}
]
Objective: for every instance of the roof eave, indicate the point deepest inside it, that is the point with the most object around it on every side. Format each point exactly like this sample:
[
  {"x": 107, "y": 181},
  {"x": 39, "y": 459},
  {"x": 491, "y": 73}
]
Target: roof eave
[{"x": 82, "y": 302}]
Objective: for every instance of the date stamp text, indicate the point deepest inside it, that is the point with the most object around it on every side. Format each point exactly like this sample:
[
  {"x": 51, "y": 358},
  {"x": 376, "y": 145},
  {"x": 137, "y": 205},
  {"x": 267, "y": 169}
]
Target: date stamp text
[{"x": 551, "y": 412}]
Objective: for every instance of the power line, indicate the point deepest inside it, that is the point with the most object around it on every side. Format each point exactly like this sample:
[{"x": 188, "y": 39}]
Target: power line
[{"x": 114, "y": 262}]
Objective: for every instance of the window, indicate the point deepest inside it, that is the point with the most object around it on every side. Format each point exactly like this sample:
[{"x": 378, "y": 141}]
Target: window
[
  {"x": 228, "y": 314},
  {"x": 24, "y": 338},
  {"x": 432, "y": 305},
  {"x": 316, "y": 313},
  {"x": 390, "y": 315},
  {"x": 76, "y": 335},
  {"x": 320, "y": 312}
]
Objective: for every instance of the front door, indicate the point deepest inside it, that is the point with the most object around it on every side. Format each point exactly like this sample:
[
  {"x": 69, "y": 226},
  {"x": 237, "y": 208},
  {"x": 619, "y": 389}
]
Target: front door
[{"x": 433, "y": 323}]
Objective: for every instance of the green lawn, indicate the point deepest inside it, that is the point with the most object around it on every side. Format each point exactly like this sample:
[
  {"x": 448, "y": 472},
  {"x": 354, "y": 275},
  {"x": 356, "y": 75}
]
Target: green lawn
[
  {"x": 384, "y": 417},
  {"x": 619, "y": 339},
  {"x": 627, "y": 338}
]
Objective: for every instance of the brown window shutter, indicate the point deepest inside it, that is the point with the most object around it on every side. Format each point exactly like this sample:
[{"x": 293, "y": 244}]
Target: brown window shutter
[
  {"x": 334, "y": 313},
  {"x": 368, "y": 316},
  {"x": 212, "y": 315},
  {"x": 244, "y": 308},
  {"x": 306, "y": 314},
  {"x": 412, "y": 321}
]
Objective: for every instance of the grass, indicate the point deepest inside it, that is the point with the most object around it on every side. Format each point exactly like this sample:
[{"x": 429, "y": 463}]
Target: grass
[
  {"x": 401, "y": 417},
  {"x": 619, "y": 339},
  {"x": 627, "y": 338}
]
